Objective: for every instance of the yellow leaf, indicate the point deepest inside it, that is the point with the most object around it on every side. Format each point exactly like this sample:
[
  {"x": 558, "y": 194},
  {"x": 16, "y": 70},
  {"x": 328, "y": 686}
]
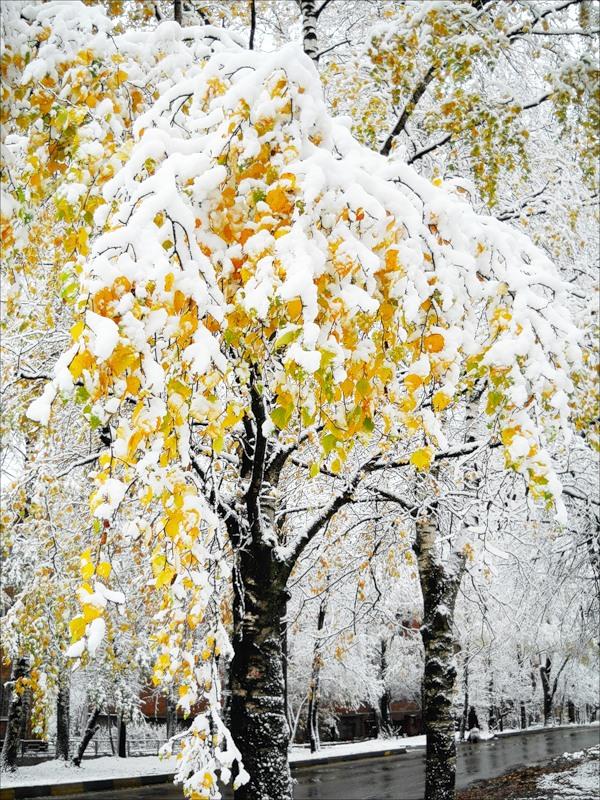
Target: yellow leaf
[
  {"x": 103, "y": 570},
  {"x": 278, "y": 201},
  {"x": 77, "y": 330},
  {"x": 87, "y": 570},
  {"x": 77, "y": 627},
  {"x": 434, "y": 343},
  {"x": 441, "y": 401},
  {"x": 422, "y": 458},
  {"x": 294, "y": 308},
  {"x": 412, "y": 382},
  {"x": 90, "y": 612}
]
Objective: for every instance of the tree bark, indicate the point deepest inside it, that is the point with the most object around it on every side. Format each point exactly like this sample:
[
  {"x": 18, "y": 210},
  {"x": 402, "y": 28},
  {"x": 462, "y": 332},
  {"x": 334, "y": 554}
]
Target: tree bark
[
  {"x": 465, "y": 712},
  {"x": 258, "y": 716},
  {"x": 439, "y": 586},
  {"x": 310, "y": 44},
  {"x": 171, "y": 715},
  {"x": 90, "y": 730},
  {"x": 178, "y": 11},
  {"x": 16, "y": 716},
  {"x": 313, "y": 689},
  {"x": 121, "y": 736},
  {"x": 63, "y": 702},
  {"x": 386, "y": 698}
]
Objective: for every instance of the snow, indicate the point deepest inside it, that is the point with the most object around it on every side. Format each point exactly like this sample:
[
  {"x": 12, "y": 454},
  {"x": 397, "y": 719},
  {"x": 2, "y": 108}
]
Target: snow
[
  {"x": 56, "y": 772},
  {"x": 300, "y": 756},
  {"x": 106, "y": 334},
  {"x": 582, "y": 781}
]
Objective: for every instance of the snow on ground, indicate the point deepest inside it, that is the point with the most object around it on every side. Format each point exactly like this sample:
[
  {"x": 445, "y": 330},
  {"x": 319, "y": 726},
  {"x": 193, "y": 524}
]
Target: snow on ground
[
  {"x": 53, "y": 772},
  {"x": 300, "y": 755},
  {"x": 582, "y": 781}
]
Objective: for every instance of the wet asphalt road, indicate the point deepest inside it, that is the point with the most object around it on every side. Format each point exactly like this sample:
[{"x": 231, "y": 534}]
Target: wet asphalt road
[{"x": 401, "y": 777}]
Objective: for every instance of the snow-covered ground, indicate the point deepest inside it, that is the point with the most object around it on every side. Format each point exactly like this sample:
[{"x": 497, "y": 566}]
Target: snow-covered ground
[
  {"x": 53, "y": 772},
  {"x": 300, "y": 754},
  {"x": 583, "y": 781}
]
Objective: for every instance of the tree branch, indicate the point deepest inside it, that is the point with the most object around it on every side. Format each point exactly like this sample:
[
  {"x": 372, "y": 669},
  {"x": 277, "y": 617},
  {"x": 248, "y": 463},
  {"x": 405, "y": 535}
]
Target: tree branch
[{"x": 417, "y": 94}]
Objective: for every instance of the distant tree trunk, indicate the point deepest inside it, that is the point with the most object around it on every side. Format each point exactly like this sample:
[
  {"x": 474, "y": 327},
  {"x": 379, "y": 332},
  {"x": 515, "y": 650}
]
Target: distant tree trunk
[
  {"x": 386, "y": 698},
  {"x": 523, "y": 711},
  {"x": 17, "y": 710},
  {"x": 171, "y": 715},
  {"x": 121, "y": 736},
  {"x": 90, "y": 730},
  {"x": 178, "y": 11},
  {"x": 464, "y": 720},
  {"x": 439, "y": 585},
  {"x": 313, "y": 690},
  {"x": 571, "y": 711},
  {"x": 258, "y": 715},
  {"x": 549, "y": 686},
  {"x": 310, "y": 44},
  {"x": 63, "y": 703}
]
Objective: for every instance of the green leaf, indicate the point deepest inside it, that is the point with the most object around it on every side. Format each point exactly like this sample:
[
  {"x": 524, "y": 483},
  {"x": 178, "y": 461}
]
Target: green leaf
[
  {"x": 363, "y": 387},
  {"x": 328, "y": 442}
]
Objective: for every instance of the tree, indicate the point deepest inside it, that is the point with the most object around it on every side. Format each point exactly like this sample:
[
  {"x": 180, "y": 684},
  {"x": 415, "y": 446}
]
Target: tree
[{"x": 258, "y": 301}]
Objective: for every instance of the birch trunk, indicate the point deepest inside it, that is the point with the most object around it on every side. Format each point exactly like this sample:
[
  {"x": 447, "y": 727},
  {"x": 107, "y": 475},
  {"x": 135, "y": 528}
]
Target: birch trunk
[
  {"x": 309, "y": 29},
  {"x": 439, "y": 586},
  {"x": 258, "y": 716}
]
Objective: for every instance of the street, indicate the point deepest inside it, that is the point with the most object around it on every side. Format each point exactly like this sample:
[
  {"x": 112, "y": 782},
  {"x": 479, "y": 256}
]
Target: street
[{"x": 401, "y": 777}]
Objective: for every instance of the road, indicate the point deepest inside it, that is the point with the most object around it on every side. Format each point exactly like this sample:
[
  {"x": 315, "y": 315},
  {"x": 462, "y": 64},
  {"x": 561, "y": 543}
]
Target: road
[{"x": 401, "y": 777}]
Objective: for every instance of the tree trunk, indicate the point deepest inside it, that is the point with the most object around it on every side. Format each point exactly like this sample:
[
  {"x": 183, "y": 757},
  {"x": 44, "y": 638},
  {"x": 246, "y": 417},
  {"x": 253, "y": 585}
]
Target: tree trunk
[
  {"x": 523, "y": 716},
  {"x": 121, "y": 736},
  {"x": 90, "y": 730},
  {"x": 385, "y": 699},
  {"x": 571, "y": 711},
  {"x": 439, "y": 586},
  {"x": 464, "y": 720},
  {"x": 545, "y": 670},
  {"x": 310, "y": 44},
  {"x": 171, "y": 715},
  {"x": 16, "y": 716},
  {"x": 258, "y": 715},
  {"x": 313, "y": 690},
  {"x": 63, "y": 702},
  {"x": 178, "y": 11}
]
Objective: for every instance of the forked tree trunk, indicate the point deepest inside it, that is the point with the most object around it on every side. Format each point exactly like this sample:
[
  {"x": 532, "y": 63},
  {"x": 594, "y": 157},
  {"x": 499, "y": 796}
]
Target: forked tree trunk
[
  {"x": 258, "y": 716},
  {"x": 16, "y": 720},
  {"x": 90, "y": 730},
  {"x": 63, "y": 702},
  {"x": 439, "y": 586}
]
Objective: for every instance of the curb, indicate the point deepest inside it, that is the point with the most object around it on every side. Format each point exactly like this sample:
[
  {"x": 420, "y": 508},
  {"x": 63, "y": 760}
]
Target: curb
[
  {"x": 66, "y": 789},
  {"x": 319, "y": 762},
  {"x": 107, "y": 784},
  {"x": 530, "y": 731}
]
